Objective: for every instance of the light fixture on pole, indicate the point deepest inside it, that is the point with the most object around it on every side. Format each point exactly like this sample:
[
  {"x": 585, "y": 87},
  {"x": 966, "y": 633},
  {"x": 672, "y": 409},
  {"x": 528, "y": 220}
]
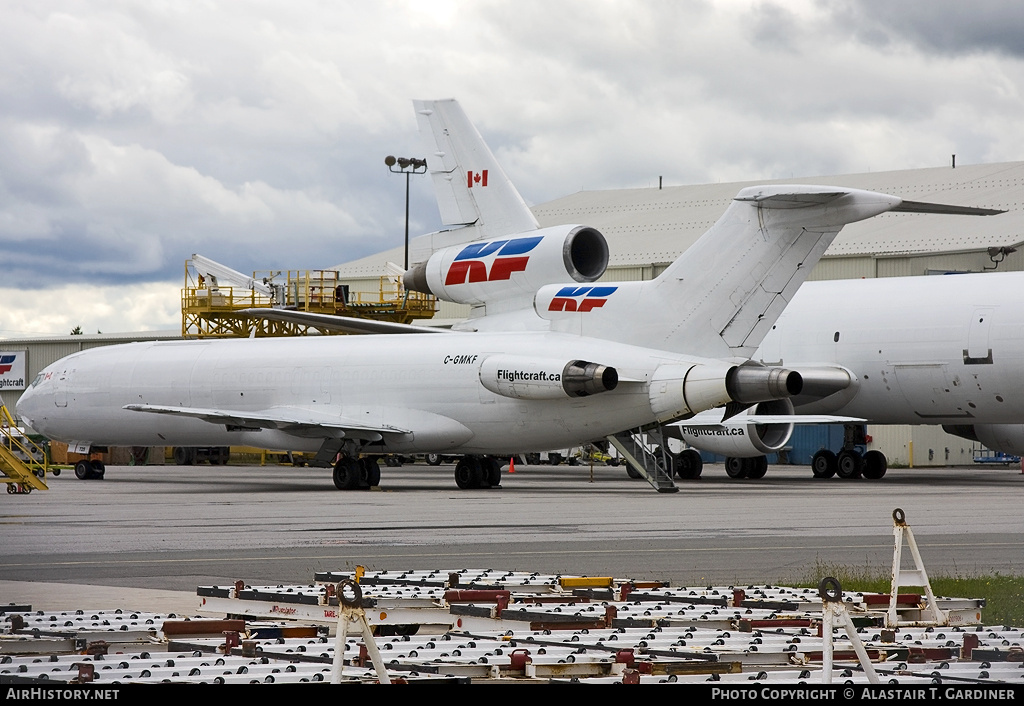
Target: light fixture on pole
[{"x": 406, "y": 166}]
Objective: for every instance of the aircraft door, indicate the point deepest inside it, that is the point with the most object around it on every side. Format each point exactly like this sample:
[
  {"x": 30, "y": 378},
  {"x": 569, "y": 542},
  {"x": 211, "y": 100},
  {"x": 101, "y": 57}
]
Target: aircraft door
[
  {"x": 978, "y": 351},
  {"x": 60, "y": 388},
  {"x": 927, "y": 388}
]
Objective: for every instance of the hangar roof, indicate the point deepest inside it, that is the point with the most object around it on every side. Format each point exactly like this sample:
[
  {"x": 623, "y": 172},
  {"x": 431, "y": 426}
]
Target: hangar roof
[
  {"x": 655, "y": 225},
  {"x": 647, "y": 226}
]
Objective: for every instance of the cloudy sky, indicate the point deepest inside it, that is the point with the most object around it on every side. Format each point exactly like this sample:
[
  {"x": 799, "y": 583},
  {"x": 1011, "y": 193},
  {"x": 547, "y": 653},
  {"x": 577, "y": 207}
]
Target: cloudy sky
[{"x": 133, "y": 134}]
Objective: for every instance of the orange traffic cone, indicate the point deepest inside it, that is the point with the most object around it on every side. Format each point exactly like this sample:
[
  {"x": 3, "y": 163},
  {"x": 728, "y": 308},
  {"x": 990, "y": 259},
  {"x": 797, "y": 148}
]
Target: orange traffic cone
[{"x": 512, "y": 465}]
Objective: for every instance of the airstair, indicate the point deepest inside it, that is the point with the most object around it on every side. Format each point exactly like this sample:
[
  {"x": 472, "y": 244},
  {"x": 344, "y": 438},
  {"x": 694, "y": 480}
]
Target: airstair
[
  {"x": 647, "y": 456},
  {"x": 22, "y": 461}
]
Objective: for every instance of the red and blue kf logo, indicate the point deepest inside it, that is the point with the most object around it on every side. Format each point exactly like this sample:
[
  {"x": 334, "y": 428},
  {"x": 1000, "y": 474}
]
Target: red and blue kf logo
[
  {"x": 508, "y": 256},
  {"x": 580, "y": 298},
  {"x": 6, "y": 363}
]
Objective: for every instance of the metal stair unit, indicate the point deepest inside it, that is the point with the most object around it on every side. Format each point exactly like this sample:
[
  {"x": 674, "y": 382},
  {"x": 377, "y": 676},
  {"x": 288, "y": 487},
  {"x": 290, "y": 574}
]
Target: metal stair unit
[
  {"x": 22, "y": 461},
  {"x": 646, "y": 452}
]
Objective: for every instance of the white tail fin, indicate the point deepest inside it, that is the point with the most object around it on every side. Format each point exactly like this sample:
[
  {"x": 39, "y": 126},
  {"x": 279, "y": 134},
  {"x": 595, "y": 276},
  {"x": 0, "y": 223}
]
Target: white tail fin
[
  {"x": 724, "y": 293},
  {"x": 471, "y": 187}
]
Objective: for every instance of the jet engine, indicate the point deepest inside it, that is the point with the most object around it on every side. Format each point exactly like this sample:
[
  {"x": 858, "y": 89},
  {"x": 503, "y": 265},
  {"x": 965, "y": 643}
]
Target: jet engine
[
  {"x": 740, "y": 437},
  {"x": 681, "y": 390},
  {"x": 523, "y": 378},
  {"x": 1008, "y": 438},
  {"x": 489, "y": 270}
]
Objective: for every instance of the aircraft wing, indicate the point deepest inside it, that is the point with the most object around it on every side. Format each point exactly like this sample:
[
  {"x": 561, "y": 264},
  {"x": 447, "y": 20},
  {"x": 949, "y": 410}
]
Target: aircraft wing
[
  {"x": 291, "y": 420},
  {"x": 347, "y": 324}
]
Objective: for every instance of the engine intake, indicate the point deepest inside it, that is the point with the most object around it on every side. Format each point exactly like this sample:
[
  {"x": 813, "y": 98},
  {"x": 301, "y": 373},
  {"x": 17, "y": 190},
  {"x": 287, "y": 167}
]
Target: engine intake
[{"x": 496, "y": 270}]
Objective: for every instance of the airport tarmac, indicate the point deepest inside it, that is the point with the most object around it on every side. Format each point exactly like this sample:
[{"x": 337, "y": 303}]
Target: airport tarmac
[{"x": 168, "y": 529}]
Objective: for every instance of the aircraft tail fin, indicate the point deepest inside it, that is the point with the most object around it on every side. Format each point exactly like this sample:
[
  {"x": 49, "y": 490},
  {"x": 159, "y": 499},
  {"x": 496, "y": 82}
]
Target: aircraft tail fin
[
  {"x": 739, "y": 276},
  {"x": 472, "y": 189},
  {"x": 723, "y": 295}
]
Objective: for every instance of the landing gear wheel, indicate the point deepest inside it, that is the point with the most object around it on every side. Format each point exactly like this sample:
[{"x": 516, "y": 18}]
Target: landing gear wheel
[
  {"x": 468, "y": 473},
  {"x": 736, "y": 468},
  {"x": 490, "y": 472},
  {"x": 824, "y": 464},
  {"x": 757, "y": 467},
  {"x": 347, "y": 474},
  {"x": 83, "y": 470},
  {"x": 554, "y": 459},
  {"x": 371, "y": 472},
  {"x": 850, "y": 464},
  {"x": 433, "y": 459},
  {"x": 875, "y": 465},
  {"x": 689, "y": 464}
]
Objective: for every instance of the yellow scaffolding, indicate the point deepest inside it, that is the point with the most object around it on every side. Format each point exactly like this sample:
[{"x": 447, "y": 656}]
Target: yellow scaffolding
[
  {"x": 22, "y": 461},
  {"x": 209, "y": 311}
]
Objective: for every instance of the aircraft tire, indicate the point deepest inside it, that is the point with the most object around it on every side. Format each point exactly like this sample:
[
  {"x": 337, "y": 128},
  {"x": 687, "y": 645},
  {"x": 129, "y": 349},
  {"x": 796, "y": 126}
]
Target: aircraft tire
[
  {"x": 347, "y": 474},
  {"x": 757, "y": 467},
  {"x": 555, "y": 459},
  {"x": 371, "y": 473},
  {"x": 468, "y": 474},
  {"x": 875, "y": 465},
  {"x": 824, "y": 464},
  {"x": 736, "y": 468},
  {"x": 433, "y": 459},
  {"x": 82, "y": 470},
  {"x": 850, "y": 464},
  {"x": 688, "y": 464},
  {"x": 491, "y": 472}
]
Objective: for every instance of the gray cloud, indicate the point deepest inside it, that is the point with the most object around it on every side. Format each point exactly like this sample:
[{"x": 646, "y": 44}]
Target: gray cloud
[{"x": 134, "y": 134}]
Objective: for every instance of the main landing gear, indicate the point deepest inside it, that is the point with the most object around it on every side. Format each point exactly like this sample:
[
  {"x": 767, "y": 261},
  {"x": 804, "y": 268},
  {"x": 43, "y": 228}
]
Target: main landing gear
[
  {"x": 473, "y": 472},
  {"x": 90, "y": 470},
  {"x": 753, "y": 468},
  {"x": 356, "y": 473},
  {"x": 849, "y": 463}
]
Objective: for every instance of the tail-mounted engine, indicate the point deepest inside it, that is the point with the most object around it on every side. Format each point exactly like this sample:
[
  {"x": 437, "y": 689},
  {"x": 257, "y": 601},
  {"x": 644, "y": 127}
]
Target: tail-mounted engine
[
  {"x": 482, "y": 271},
  {"x": 528, "y": 378},
  {"x": 741, "y": 437}
]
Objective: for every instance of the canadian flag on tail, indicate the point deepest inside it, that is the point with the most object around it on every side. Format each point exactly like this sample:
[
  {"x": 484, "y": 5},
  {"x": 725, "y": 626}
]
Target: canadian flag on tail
[{"x": 478, "y": 178}]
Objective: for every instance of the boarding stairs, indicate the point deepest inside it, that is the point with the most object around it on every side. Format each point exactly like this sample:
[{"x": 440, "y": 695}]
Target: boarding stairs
[
  {"x": 22, "y": 461},
  {"x": 646, "y": 453}
]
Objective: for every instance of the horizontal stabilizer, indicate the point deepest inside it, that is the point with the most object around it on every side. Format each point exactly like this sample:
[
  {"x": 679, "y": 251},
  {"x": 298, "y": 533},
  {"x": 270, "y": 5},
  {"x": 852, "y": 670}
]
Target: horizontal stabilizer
[
  {"x": 713, "y": 418},
  {"x": 945, "y": 209},
  {"x": 345, "y": 324}
]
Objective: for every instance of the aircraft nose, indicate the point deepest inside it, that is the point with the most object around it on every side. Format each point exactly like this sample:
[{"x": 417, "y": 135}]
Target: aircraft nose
[{"x": 29, "y": 406}]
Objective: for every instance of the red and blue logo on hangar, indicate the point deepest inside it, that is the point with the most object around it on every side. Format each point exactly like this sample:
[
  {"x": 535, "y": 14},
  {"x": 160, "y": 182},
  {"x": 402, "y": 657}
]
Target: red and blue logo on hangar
[
  {"x": 505, "y": 256},
  {"x": 6, "y": 363},
  {"x": 580, "y": 298}
]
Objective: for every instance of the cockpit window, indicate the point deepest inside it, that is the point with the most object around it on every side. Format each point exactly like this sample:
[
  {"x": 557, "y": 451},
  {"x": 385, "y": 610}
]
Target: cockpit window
[{"x": 39, "y": 379}]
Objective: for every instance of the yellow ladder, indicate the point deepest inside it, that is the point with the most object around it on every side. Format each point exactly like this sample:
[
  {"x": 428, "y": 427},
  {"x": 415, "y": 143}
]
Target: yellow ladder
[{"x": 19, "y": 458}]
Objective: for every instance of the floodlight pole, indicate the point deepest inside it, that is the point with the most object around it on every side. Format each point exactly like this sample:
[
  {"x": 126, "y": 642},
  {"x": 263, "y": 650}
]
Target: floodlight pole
[{"x": 406, "y": 166}]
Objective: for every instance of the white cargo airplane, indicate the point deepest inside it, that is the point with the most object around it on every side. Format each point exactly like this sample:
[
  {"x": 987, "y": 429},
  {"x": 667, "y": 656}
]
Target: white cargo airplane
[
  {"x": 548, "y": 360},
  {"x": 908, "y": 350},
  {"x": 918, "y": 350}
]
